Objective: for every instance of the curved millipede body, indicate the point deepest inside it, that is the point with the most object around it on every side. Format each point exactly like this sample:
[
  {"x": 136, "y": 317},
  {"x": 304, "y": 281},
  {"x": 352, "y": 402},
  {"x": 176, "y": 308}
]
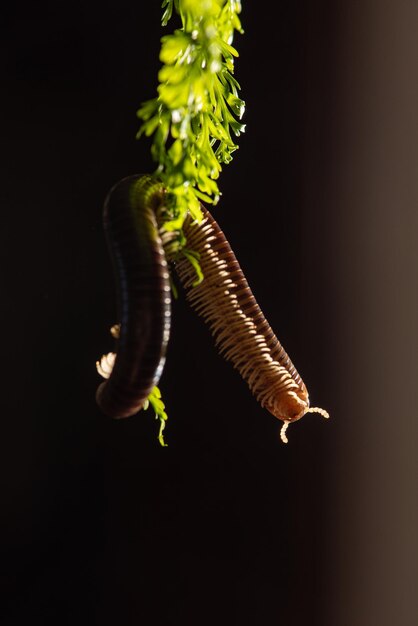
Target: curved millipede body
[
  {"x": 224, "y": 300},
  {"x": 143, "y": 293},
  {"x": 242, "y": 333}
]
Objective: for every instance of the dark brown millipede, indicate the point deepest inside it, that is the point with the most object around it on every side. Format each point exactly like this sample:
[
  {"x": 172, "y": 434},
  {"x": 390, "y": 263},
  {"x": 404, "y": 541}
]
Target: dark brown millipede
[
  {"x": 143, "y": 295},
  {"x": 223, "y": 299}
]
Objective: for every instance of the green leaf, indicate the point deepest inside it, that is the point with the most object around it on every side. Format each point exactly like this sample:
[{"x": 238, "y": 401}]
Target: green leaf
[
  {"x": 236, "y": 104},
  {"x": 203, "y": 196},
  {"x": 154, "y": 399},
  {"x": 176, "y": 151},
  {"x": 168, "y": 12},
  {"x": 193, "y": 258},
  {"x": 173, "y": 46}
]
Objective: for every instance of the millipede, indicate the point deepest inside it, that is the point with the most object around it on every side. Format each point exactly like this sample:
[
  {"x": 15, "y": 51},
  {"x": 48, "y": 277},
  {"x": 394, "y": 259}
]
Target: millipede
[
  {"x": 223, "y": 299},
  {"x": 143, "y": 296}
]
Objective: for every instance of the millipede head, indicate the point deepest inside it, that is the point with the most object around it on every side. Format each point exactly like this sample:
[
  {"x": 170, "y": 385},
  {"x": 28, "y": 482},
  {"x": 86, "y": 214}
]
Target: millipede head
[
  {"x": 288, "y": 406},
  {"x": 287, "y": 422}
]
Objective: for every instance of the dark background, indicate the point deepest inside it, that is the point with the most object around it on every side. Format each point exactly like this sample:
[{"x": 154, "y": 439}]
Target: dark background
[{"x": 99, "y": 524}]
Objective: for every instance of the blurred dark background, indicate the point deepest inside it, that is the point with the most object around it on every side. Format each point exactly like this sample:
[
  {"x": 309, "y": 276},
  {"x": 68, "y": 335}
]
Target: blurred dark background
[{"x": 99, "y": 524}]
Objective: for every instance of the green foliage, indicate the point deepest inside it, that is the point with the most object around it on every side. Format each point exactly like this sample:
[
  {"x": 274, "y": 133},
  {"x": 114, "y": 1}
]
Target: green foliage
[
  {"x": 195, "y": 117},
  {"x": 154, "y": 399}
]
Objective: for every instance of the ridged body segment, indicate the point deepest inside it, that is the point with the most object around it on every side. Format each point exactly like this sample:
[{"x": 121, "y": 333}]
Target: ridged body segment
[
  {"x": 143, "y": 294},
  {"x": 242, "y": 333}
]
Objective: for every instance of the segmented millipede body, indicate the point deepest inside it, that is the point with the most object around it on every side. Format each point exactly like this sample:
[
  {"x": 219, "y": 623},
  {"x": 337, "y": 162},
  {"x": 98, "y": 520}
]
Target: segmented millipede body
[
  {"x": 242, "y": 333},
  {"x": 143, "y": 294},
  {"x": 224, "y": 300}
]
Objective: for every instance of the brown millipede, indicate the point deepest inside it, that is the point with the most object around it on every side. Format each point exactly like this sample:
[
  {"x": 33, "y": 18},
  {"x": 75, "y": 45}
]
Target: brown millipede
[
  {"x": 224, "y": 300},
  {"x": 242, "y": 333}
]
